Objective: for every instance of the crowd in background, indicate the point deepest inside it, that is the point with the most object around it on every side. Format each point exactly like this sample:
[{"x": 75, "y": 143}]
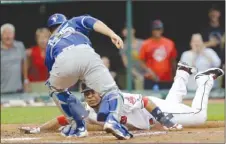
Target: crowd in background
[{"x": 153, "y": 60}]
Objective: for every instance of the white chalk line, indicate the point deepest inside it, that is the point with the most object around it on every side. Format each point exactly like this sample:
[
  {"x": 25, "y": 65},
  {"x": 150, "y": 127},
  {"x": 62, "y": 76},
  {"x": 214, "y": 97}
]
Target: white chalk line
[
  {"x": 105, "y": 136},
  {"x": 137, "y": 134},
  {"x": 19, "y": 139}
]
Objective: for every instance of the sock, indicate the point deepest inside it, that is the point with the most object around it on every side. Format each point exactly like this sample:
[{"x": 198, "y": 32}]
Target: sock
[{"x": 157, "y": 113}]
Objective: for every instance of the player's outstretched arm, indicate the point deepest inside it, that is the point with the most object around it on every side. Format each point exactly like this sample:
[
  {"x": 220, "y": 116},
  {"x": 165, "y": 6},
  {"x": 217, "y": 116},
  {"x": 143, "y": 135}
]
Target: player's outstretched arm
[
  {"x": 90, "y": 23},
  {"x": 102, "y": 28},
  {"x": 51, "y": 125},
  {"x": 156, "y": 112}
]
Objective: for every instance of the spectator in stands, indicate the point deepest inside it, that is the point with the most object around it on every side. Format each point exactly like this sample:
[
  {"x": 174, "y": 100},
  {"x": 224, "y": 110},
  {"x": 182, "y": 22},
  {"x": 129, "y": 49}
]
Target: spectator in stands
[
  {"x": 13, "y": 62},
  {"x": 38, "y": 72},
  {"x": 199, "y": 56},
  {"x": 158, "y": 54},
  {"x": 213, "y": 36},
  {"x": 213, "y": 33},
  {"x": 106, "y": 62},
  {"x": 137, "y": 70}
]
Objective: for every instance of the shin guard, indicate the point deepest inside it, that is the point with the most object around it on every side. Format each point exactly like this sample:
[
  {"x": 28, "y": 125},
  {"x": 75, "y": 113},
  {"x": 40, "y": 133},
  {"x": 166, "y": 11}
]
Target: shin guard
[{"x": 111, "y": 104}]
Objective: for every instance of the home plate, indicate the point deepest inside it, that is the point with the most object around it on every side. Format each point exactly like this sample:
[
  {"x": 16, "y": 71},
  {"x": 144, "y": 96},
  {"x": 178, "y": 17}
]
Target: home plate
[{"x": 18, "y": 139}]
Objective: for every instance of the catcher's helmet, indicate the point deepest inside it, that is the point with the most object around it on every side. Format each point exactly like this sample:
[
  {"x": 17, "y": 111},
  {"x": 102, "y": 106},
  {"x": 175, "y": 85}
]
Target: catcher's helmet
[{"x": 56, "y": 19}]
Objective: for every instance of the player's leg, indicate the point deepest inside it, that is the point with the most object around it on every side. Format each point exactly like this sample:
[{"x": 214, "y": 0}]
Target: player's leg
[
  {"x": 197, "y": 114},
  {"x": 179, "y": 88},
  {"x": 205, "y": 81},
  {"x": 73, "y": 110},
  {"x": 98, "y": 78},
  {"x": 109, "y": 112},
  {"x": 173, "y": 103},
  {"x": 182, "y": 114}
]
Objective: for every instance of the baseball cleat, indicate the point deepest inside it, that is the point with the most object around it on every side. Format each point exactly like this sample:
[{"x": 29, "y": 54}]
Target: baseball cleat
[
  {"x": 65, "y": 130},
  {"x": 215, "y": 72},
  {"x": 78, "y": 132},
  {"x": 117, "y": 130},
  {"x": 185, "y": 67},
  {"x": 73, "y": 131}
]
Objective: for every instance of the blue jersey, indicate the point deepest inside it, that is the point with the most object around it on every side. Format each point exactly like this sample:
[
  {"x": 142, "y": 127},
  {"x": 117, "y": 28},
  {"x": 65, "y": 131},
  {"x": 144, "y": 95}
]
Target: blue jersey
[{"x": 72, "y": 32}]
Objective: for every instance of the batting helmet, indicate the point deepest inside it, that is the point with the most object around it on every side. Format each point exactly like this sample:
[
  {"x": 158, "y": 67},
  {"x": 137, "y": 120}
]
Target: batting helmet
[
  {"x": 85, "y": 88},
  {"x": 56, "y": 19}
]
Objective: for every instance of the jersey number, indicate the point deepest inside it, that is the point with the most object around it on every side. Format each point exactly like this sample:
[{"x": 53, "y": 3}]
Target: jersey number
[{"x": 63, "y": 33}]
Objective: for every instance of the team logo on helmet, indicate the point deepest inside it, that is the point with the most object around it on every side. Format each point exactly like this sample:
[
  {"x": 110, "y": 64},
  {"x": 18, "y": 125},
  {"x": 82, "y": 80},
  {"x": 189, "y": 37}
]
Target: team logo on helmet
[{"x": 55, "y": 18}]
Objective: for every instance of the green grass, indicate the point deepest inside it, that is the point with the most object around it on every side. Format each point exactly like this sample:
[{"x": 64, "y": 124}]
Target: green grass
[
  {"x": 216, "y": 112},
  {"x": 26, "y": 115}
]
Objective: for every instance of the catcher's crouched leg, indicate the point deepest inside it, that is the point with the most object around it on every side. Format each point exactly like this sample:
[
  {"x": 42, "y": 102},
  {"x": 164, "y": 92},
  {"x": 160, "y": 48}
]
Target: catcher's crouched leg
[
  {"x": 74, "y": 111},
  {"x": 109, "y": 110}
]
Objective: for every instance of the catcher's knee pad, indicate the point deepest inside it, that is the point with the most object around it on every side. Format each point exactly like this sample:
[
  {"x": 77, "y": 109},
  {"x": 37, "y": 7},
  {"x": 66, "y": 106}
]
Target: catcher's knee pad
[
  {"x": 110, "y": 104},
  {"x": 69, "y": 105},
  {"x": 60, "y": 98},
  {"x": 76, "y": 108}
]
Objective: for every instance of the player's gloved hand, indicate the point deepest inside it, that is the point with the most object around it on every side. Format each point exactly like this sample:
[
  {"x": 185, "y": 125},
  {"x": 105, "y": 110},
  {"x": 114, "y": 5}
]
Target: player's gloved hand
[
  {"x": 29, "y": 130},
  {"x": 116, "y": 40}
]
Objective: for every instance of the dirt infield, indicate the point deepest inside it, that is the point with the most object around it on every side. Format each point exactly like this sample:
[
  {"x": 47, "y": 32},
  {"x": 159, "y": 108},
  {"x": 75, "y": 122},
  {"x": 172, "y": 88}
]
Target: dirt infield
[{"x": 211, "y": 132}]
